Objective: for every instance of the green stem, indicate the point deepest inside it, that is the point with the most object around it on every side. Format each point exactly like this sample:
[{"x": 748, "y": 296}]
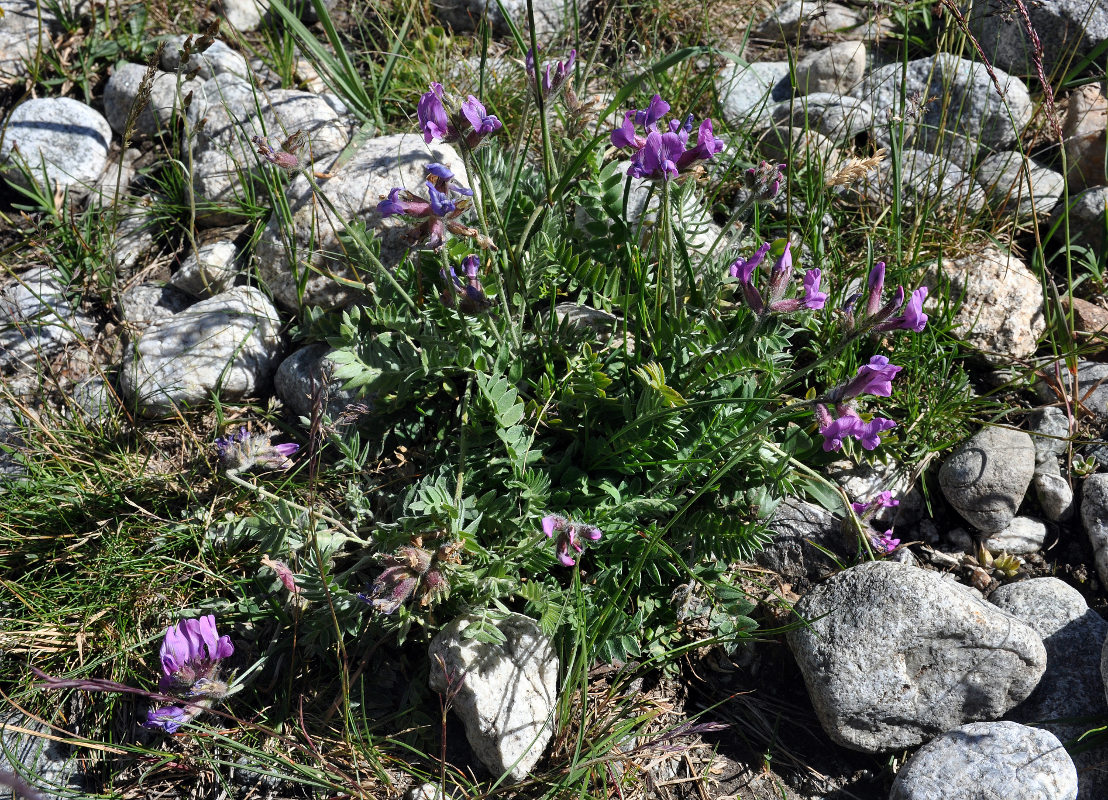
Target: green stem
[{"x": 234, "y": 478}]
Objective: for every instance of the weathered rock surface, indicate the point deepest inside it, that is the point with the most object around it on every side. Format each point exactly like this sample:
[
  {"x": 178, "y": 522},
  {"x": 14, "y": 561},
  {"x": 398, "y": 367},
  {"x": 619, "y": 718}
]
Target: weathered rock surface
[
  {"x": 1067, "y": 29},
  {"x": 1091, "y": 380},
  {"x": 507, "y": 698},
  {"x": 1086, "y": 212},
  {"x": 378, "y": 166},
  {"x": 1001, "y": 305},
  {"x": 746, "y": 91},
  {"x": 1094, "y": 517},
  {"x": 1072, "y": 686},
  {"x": 967, "y": 114},
  {"x": 1083, "y": 131},
  {"x": 803, "y": 535},
  {"x": 230, "y": 344},
  {"x": 1019, "y": 186},
  {"x": 306, "y": 373},
  {"x": 927, "y": 183},
  {"x": 836, "y": 69},
  {"x": 1054, "y": 494},
  {"x": 1022, "y": 536},
  {"x": 464, "y": 15},
  {"x": 839, "y": 118},
  {"x": 798, "y": 18},
  {"x": 208, "y": 271},
  {"x": 145, "y": 303},
  {"x": 217, "y": 59},
  {"x": 986, "y": 478},
  {"x": 38, "y": 320},
  {"x": 165, "y": 98},
  {"x": 67, "y": 137},
  {"x": 25, "y": 28},
  {"x": 894, "y": 655},
  {"x": 986, "y": 761},
  {"x": 31, "y": 749}
]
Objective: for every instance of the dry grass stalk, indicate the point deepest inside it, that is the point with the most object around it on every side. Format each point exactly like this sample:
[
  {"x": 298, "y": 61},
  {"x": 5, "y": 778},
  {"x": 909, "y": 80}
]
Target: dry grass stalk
[{"x": 855, "y": 169}]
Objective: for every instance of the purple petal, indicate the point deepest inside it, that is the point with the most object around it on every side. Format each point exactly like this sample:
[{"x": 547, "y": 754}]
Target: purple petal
[
  {"x": 657, "y": 109},
  {"x": 552, "y": 523},
  {"x": 813, "y": 297},
  {"x": 432, "y": 115},
  {"x": 624, "y": 135},
  {"x": 167, "y": 718},
  {"x": 441, "y": 204}
]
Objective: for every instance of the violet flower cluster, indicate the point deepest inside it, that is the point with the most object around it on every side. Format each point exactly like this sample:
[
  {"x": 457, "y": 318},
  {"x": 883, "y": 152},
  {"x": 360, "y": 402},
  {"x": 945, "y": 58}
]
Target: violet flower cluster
[
  {"x": 664, "y": 154},
  {"x": 431, "y": 218},
  {"x": 568, "y": 536},
  {"x": 191, "y": 655},
  {"x": 553, "y": 78},
  {"x": 469, "y": 296},
  {"x": 468, "y": 122},
  {"x": 873, "y": 378},
  {"x": 412, "y": 572},
  {"x": 883, "y": 542},
  {"x": 779, "y": 281},
  {"x": 241, "y": 451},
  {"x": 880, "y": 316}
]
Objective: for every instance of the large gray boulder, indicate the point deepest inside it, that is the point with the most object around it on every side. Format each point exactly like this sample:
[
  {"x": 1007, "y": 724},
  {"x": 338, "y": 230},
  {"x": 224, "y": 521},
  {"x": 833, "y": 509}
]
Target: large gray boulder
[
  {"x": 166, "y": 98},
  {"x": 230, "y": 344},
  {"x": 466, "y": 15},
  {"x": 63, "y": 136},
  {"x": 894, "y": 655},
  {"x": 986, "y": 477},
  {"x": 965, "y": 114},
  {"x": 507, "y": 691},
  {"x": 1067, "y": 29},
  {"x": 746, "y": 91},
  {"x": 379, "y": 165},
  {"x": 38, "y": 320},
  {"x": 988, "y": 761}
]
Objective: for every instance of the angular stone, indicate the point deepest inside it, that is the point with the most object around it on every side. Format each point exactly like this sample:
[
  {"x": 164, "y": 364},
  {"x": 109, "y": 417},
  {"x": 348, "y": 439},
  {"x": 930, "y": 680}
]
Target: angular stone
[
  {"x": 305, "y": 373},
  {"x": 986, "y": 478},
  {"x": 988, "y": 760},
  {"x": 894, "y": 655},
  {"x": 67, "y": 137},
  {"x": 230, "y": 344},
  {"x": 836, "y": 69},
  {"x": 966, "y": 116},
  {"x": 1083, "y": 132},
  {"x": 1086, "y": 218},
  {"x": 1019, "y": 186},
  {"x": 379, "y": 165},
  {"x": 209, "y": 271},
  {"x": 508, "y": 695},
  {"x": 1094, "y": 518},
  {"x": 38, "y": 320},
  {"x": 1091, "y": 380},
  {"x": 747, "y": 90},
  {"x": 1022, "y": 536},
  {"x": 1067, "y": 30},
  {"x": 1001, "y": 305},
  {"x": 838, "y": 118},
  {"x": 1051, "y": 429},
  {"x": 122, "y": 91},
  {"x": 1054, "y": 495},
  {"x": 803, "y": 537}
]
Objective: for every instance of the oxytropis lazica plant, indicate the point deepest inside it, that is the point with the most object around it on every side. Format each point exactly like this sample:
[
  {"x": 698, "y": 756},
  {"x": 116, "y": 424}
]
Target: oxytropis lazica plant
[{"x": 192, "y": 654}]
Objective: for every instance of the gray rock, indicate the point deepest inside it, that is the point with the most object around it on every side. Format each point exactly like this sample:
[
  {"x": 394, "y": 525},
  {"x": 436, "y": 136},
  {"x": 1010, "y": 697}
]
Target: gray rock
[
  {"x": 1050, "y": 429},
  {"x": 38, "y": 320},
  {"x": 133, "y": 239},
  {"x": 306, "y": 372},
  {"x": 1072, "y": 686},
  {"x": 1092, "y": 385},
  {"x": 379, "y": 165},
  {"x": 747, "y": 90},
  {"x": 1022, "y": 536},
  {"x": 961, "y": 540},
  {"x": 508, "y": 692},
  {"x": 25, "y": 27},
  {"x": 95, "y": 400},
  {"x": 836, "y": 69},
  {"x": 115, "y": 181},
  {"x": 122, "y": 90},
  {"x": 217, "y": 59},
  {"x": 1054, "y": 495},
  {"x": 1019, "y": 186},
  {"x": 1094, "y": 517},
  {"x": 927, "y": 182},
  {"x": 838, "y": 118},
  {"x": 67, "y": 137},
  {"x": 986, "y": 761},
  {"x": 31, "y": 750},
  {"x": 806, "y": 539},
  {"x": 863, "y": 482},
  {"x": 605, "y": 328},
  {"x": 145, "y": 303},
  {"x": 1084, "y": 136},
  {"x": 242, "y": 15},
  {"x": 986, "y": 478},
  {"x": 464, "y": 15},
  {"x": 230, "y": 344},
  {"x": 803, "y": 19},
  {"x": 967, "y": 115},
  {"x": 1067, "y": 29},
  {"x": 1000, "y": 311},
  {"x": 1086, "y": 217},
  {"x": 782, "y": 144},
  {"x": 893, "y": 655},
  {"x": 208, "y": 271},
  {"x": 224, "y": 155}
]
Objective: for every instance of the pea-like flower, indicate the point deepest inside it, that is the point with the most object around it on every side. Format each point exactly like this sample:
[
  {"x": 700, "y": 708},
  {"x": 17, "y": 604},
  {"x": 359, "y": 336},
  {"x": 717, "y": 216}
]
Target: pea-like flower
[
  {"x": 412, "y": 572},
  {"x": 432, "y": 217},
  {"x": 569, "y": 536},
  {"x": 468, "y": 122},
  {"x": 664, "y": 155},
  {"x": 880, "y": 316},
  {"x": 765, "y": 180},
  {"x": 469, "y": 296},
  {"x": 775, "y": 302},
  {"x": 850, "y": 425},
  {"x": 553, "y": 78},
  {"x": 285, "y": 156},
  {"x": 191, "y": 655},
  {"x": 241, "y": 451},
  {"x": 873, "y": 378}
]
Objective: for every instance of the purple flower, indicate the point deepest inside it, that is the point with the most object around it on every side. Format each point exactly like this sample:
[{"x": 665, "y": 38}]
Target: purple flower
[
  {"x": 283, "y": 156},
  {"x": 167, "y": 718},
  {"x": 885, "y": 542},
  {"x": 878, "y": 316},
  {"x": 469, "y": 296},
  {"x": 814, "y": 299},
  {"x": 551, "y": 84},
  {"x": 835, "y": 431},
  {"x": 432, "y": 116},
  {"x": 663, "y": 155},
  {"x": 873, "y": 378},
  {"x": 883, "y": 499},
  {"x": 743, "y": 269},
  {"x": 481, "y": 122},
  {"x": 869, "y": 434},
  {"x": 839, "y": 429},
  {"x": 569, "y": 535},
  {"x": 243, "y": 450},
  {"x": 411, "y": 571},
  {"x": 764, "y": 181},
  {"x": 433, "y": 217},
  {"x": 913, "y": 318},
  {"x": 876, "y": 287},
  {"x": 191, "y": 654}
]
